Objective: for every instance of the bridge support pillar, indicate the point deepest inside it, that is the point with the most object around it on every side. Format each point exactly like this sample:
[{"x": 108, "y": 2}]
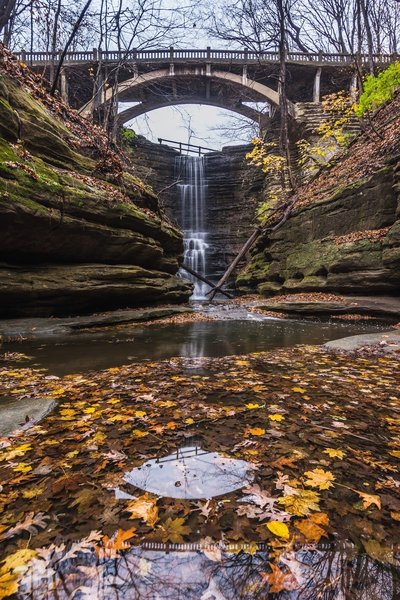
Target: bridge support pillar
[
  {"x": 244, "y": 75},
  {"x": 64, "y": 85},
  {"x": 353, "y": 87},
  {"x": 317, "y": 86}
]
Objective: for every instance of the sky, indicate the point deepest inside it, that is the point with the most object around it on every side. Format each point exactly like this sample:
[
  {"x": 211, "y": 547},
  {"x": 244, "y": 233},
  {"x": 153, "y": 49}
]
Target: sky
[{"x": 198, "y": 124}]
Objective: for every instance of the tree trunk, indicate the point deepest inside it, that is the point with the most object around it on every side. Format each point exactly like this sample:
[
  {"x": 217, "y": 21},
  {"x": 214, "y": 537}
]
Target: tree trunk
[
  {"x": 6, "y": 8},
  {"x": 284, "y": 135},
  {"x": 368, "y": 31},
  {"x": 67, "y": 45}
]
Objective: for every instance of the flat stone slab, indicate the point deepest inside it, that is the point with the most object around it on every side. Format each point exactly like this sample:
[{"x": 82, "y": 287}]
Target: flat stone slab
[
  {"x": 13, "y": 412},
  {"x": 388, "y": 341},
  {"x": 384, "y": 306},
  {"x": 29, "y": 329}
]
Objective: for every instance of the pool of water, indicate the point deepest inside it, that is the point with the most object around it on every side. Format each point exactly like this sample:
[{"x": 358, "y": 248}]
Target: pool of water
[{"x": 104, "y": 349}]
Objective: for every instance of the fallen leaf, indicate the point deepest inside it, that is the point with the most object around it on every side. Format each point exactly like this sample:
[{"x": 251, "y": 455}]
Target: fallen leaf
[
  {"x": 276, "y": 417},
  {"x": 143, "y": 508},
  {"x": 333, "y": 453},
  {"x": 301, "y": 503},
  {"x": 173, "y": 530},
  {"x": 278, "y": 528},
  {"x": 368, "y": 499},
  {"x": 256, "y": 431},
  {"x": 319, "y": 478},
  {"x": 279, "y": 581}
]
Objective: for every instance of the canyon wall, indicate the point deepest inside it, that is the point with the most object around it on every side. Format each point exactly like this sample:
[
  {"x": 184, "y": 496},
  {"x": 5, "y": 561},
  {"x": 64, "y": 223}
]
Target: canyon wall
[
  {"x": 344, "y": 232},
  {"x": 79, "y": 232}
]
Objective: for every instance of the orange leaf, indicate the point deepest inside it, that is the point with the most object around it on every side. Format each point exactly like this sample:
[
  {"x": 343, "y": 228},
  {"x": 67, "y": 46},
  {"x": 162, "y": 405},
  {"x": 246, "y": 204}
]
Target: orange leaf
[{"x": 279, "y": 581}]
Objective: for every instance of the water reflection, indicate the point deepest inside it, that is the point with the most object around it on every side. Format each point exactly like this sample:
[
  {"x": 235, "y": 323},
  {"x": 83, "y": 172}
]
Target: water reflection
[
  {"x": 191, "y": 473},
  {"x": 215, "y": 338},
  {"x": 208, "y": 572}
]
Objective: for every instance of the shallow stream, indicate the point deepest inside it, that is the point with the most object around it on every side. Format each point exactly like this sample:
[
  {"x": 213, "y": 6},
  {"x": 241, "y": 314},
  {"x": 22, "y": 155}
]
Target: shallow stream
[{"x": 214, "y": 475}]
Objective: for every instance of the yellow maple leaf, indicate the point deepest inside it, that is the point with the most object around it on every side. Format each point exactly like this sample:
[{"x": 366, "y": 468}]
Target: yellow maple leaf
[
  {"x": 319, "y": 478},
  {"x": 279, "y": 529},
  {"x": 32, "y": 492},
  {"x": 256, "y": 431},
  {"x": 299, "y": 390},
  {"x": 138, "y": 433},
  {"x": 140, "y": 413},
  {"x": 333, "y": 453},
  {"x": 276, "y": 417},
  {"x": 251, "y": 406},
  {"x": 22, "y": 468},
  {"x": 189, "y": 421},
  {"x": 368, "y": 499},
  {"x": 300, "y": 503}
]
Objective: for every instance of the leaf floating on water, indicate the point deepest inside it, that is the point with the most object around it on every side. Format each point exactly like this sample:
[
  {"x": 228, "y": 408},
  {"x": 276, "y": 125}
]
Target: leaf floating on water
[
  {"x": 319, "y": 478},
  {"x": 301, "y": 503},
  {"x": 311, "y": 527},
  {"x": 12, "y": 568},
  {"x": 333, "y": 453},
  {"x": 173, "y": 530},
  {"x": 279, "y": 581},
  {"x": 143, "y": 508},
  {"x": 276, "y": 417},
  {"x": 256, "y": 431},
  {"x": 32, "y": 523},
  {"x": 369, "y": 499},
  {"x": 395, "y": 453},
  {"x": 110, "y": 547},
  {"x": 379, "y": 552},
  {"x": 279, "y": 529}
]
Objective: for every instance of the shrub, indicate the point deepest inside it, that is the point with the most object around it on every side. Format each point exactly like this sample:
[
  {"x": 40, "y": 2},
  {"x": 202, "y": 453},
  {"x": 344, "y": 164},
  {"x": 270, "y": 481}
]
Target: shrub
[{"x": 379, "y": 90}]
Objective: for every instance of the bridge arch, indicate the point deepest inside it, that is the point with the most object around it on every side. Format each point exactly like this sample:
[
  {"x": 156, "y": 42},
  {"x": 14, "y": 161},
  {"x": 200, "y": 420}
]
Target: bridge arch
[
  {"x": 145, "y": 107},
  {"x": 139, "y": 89}
]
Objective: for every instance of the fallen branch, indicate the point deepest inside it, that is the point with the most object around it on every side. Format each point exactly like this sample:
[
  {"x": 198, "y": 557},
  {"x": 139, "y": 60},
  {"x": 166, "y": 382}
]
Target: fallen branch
[
  {"x": 203, "y": 279},
  {"x": 250, "y": 242}
]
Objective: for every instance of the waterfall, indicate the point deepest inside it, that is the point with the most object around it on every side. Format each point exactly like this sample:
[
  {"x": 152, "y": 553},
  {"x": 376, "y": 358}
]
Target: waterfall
[{"x": 193, "y": 202}]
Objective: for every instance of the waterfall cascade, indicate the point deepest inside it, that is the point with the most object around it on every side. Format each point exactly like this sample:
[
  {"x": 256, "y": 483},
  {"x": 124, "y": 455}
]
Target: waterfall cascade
[{"x": 193, "y": 202}]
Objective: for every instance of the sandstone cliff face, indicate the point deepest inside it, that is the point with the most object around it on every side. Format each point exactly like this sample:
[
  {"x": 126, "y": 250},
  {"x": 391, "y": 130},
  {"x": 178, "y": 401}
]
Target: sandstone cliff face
[
  {"x": 344, "y": 233},
  {"x": 74, "y": 237}
]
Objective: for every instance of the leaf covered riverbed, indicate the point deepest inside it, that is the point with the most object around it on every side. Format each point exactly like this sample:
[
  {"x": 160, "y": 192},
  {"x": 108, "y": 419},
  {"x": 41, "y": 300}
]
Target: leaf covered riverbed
[{"x": 304, "y": 446}]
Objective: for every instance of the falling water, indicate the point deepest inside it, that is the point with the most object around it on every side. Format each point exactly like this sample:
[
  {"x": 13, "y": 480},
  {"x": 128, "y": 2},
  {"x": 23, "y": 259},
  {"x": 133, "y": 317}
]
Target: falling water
[{"x": 193, "y": 199}]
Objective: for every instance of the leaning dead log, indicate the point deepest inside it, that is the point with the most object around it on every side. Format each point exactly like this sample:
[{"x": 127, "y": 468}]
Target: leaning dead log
[
  {"x": 261, "y": 230},
  {"x": 203, "y": 279}
]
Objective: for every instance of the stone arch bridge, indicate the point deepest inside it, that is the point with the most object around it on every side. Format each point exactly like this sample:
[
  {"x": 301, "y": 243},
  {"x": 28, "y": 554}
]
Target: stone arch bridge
[{"x": 230, "y": 79}]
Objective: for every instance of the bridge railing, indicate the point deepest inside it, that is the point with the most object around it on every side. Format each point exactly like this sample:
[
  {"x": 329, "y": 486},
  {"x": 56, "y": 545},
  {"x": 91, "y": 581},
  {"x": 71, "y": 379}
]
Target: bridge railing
[
  {"x": 182, "y": 147},
  {"x": 244, "y": 56}
]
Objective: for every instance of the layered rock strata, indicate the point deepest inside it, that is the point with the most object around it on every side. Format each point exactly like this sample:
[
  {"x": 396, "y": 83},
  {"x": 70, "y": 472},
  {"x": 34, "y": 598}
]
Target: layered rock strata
[{"x": 75, "y": 235}]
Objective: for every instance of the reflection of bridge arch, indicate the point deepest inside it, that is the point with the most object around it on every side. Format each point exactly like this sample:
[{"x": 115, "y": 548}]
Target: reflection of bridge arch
[{"x": 194, "y": 85}]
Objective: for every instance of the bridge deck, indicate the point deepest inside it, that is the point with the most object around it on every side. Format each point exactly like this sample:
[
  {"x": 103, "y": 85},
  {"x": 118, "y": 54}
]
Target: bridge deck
[{"x": 199, "y": 56}]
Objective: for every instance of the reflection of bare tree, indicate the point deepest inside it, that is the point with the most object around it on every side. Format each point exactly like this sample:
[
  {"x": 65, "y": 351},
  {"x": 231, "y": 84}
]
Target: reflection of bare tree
[{"x": 206, "y": 573}]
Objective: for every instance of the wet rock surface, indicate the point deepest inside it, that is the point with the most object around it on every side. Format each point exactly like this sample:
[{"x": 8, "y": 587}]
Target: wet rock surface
[{"x": 17, "y": 412}]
